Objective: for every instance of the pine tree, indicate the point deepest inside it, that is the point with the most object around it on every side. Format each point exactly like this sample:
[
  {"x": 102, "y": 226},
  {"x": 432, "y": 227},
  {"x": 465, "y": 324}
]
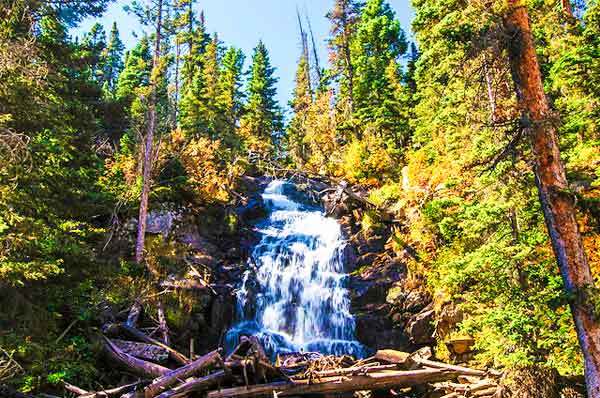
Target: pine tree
[
  {"x": 198, "y": 40},
  {"x": 136, "y": 72},
  {"x": 231, "y": 97},
  {"x": 343, "y": 18},
  {"x": 263, "y": 117},
  {"x": 95, "y": 44},
  {"x": 200, "y": 115},
  {"x": 376, "y": 47},
  {"x": 301, "y": 102},
  {"x": 113, "y": 60},
  {"x": 557, "y": 203},
  {"x": 210, "y": 122}
]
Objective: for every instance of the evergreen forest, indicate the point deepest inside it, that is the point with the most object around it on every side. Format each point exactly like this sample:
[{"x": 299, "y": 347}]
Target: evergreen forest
[{"x": 459, "y": 157}]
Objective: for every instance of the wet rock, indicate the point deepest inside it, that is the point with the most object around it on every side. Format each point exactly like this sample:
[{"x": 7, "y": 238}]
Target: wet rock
[
  {"x": 421, "y": 327},
  {"x": 253, "y": 210},
  {"x": 189, "y": 234},
  {"x": 378, "y": 332},
  {"x": 337, "y": 205},
  {"x": 364, "y": 293},
  {"x": 366, "y": 259}
]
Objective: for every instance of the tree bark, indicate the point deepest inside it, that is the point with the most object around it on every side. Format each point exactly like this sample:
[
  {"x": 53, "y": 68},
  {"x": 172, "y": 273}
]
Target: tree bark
[
  {"x": 557, "y": 202},
  {"x": 567, "y": 8},
  {"x": 138, "y": 366},
  {"x": 162, "y": 322},
  {"x": 195, "y": 385},
  {"x": 148, "y": 352},
  {"x": 160, "y": 384},
  {"x": 334, "y": 385},
  {"x": 174, "y": 354},
  {"x": 149, "y": 142}
]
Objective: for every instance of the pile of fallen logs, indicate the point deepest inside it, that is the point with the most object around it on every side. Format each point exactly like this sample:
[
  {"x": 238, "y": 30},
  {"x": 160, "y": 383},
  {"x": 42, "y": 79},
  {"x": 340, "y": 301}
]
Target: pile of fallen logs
[
  {"x": 164, "y": 372},
  {"x": 248, "y": 372}
]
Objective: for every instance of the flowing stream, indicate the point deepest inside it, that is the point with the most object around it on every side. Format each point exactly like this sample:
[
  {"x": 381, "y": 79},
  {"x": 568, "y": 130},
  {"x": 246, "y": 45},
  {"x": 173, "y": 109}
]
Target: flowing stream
[{"x": 295, "y": 297}]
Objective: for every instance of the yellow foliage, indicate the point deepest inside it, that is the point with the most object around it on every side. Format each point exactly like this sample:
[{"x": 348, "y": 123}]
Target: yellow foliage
[{"x": 366, "y": 160}]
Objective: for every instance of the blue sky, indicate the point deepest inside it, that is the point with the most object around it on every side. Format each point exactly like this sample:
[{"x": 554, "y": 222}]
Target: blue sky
[{"x": 243, "y": 22}]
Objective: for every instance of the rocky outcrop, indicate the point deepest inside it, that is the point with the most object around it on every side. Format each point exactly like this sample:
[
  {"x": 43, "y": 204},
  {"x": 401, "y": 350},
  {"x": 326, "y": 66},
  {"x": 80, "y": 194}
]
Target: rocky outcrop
[{"x": 387, "y": 311}]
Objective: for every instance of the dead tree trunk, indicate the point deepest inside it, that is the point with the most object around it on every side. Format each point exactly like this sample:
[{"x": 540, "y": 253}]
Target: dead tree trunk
[
  {"x": 149, "y": 142},
  {"x": 568, "y": 9},
  {"x": 557, "y": 202},
  {"x": 167, "y": 380}
]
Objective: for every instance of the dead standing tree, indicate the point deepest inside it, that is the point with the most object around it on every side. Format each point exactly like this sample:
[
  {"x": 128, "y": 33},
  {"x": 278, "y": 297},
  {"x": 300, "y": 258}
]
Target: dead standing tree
[
  {"x": 558, "y": 203},
  {"x": 150, "y": 133}
]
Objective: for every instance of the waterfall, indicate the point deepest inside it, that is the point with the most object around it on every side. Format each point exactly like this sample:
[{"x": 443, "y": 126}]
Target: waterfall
[{"x": 295, "y": 297}]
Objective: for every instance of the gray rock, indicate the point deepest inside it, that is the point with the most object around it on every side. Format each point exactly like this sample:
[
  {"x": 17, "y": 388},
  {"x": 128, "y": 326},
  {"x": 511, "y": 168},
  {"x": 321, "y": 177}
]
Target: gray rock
[
  {"x": 421, "y": 327},
  {"x": 160, "y": 222}
]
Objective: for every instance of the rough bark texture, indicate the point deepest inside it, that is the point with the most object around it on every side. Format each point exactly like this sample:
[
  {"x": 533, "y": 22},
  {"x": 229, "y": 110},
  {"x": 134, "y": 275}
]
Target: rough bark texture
[
  {"x": 567, "y": 8},
  {"x": 174, "y": 354},
  {"x": 138, "y": 366},
  {"x": 171, "y": 378},
  {"x": 149, "y": 143},
  {"x": 335, "y": 385},
  {"x": 557, "y": 203}
]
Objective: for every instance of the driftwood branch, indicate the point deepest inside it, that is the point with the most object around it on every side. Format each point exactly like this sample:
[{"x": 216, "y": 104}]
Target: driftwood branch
[
  {"x": 149, "y": 352},
  {"x": 335, "y": 385},
  {"x": 458, "y": 369},
  {"x": 174, "y": 354},
  {"x": 162, "y": 323},
  {"x": 138, "y": 366},
  {"x": 134, "y": 314},
  {"x": 172, "y": 377},
  {"x": 195, "y": 385},
  {"x": 113, "y": 392}
]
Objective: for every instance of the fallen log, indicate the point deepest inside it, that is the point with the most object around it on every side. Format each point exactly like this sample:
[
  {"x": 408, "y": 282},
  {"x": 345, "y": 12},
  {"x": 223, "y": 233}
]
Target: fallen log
[
  {"x": 187, "y": 284},
  {"x": 239, "y": 350},
  {"x": 355, "y": 370},
  {"x": 393, "y": 356},
  {"x": 439, "y": 365},
  {"x": 333, "y": 385},
  {"x": 195, "y": 385},
  {"x": 134, "y": 314},
  {"x": 113, "y": 392},
  {"x": 138, "y": 366},
  {"x": 74, "y": 389},
  {"x": 174, "y": 354},
  {"x": 149, "y": 352},
  {"x": 168, "y": 379}
]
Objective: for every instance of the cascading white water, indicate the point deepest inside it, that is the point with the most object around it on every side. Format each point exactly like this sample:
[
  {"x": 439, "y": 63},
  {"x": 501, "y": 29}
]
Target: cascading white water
[{"x": 296, "y": 298}]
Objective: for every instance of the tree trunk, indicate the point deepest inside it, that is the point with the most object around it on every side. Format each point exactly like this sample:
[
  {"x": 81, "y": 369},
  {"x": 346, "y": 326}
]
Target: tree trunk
[
  {"x": 567, "y": 8},
  {"x": 490, "y": 88},
  {"x": 148, "y": 149},
  {"x": 557, "y": 202},
  {"x": 133, "y": 364},
  {"x": 174, "y": 354},
  {"x": 162, "y": 383},
  {"x": 337, "y": 384},
  {"x": 176, "y": 101}
]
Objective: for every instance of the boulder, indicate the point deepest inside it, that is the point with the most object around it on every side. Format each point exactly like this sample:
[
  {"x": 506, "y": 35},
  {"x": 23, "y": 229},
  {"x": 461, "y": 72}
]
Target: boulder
[
  {"x": 160, "y": 222},
  {"x": 378, "y": 332},
  {"x": 450, "y": 316},
  {"x": 460, "y": 346},
  {"x": 421, "y": 327}
]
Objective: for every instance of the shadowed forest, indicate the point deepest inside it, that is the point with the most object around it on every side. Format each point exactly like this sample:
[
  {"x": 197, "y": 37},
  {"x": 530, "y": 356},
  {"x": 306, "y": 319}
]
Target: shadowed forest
[{"x": 421, "y": 220}]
